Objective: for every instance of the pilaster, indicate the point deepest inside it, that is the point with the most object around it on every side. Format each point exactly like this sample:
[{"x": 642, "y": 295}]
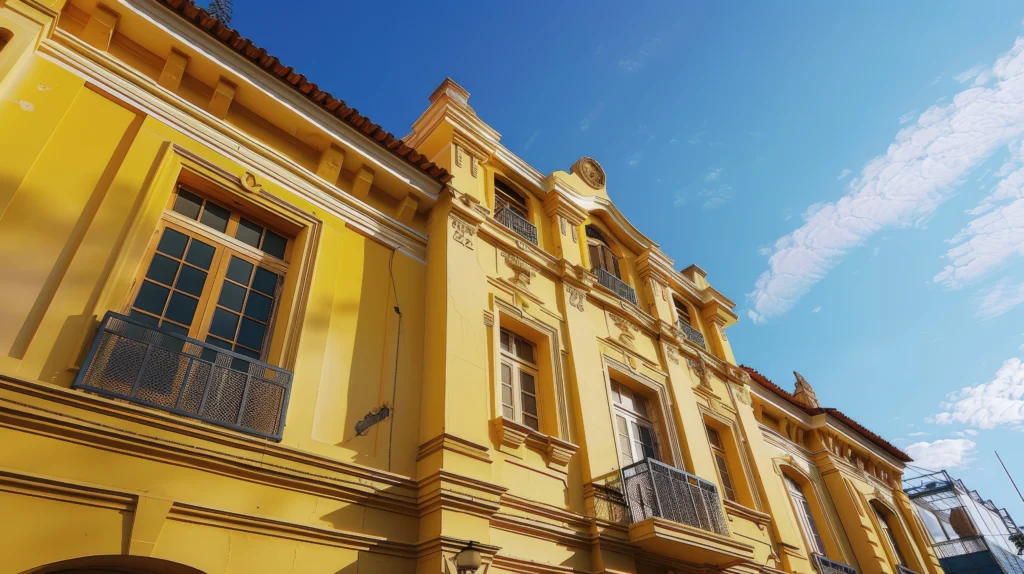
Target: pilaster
[
  {"x": 922, "y": 541},
  {"x": 854, "y": 515},
  {"x": 566, "y": 225},
  {"x": 654, "y": 268}
]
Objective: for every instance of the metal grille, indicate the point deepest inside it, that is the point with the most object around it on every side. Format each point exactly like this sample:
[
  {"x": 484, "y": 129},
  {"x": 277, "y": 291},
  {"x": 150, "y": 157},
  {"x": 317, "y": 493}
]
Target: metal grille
[
  {"x": 517, "y": 223},
  {"x": 692, "y": 334},
  {"x": 653, "y": 488},
  {"x": 616, "y": 285},
  {"x": 824, "y": 565},
  {"x": 961, "y": 547},
  {"x": 139, "y": 363},
  {"x": 904, "y": 570}
]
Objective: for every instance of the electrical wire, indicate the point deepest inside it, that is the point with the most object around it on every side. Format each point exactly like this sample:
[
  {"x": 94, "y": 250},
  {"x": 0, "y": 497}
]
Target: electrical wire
[{"x": 398, "y": 346}]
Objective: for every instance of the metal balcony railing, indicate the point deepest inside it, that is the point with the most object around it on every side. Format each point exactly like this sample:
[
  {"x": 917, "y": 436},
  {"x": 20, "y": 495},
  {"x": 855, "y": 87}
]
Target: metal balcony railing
[
  {"x": 960, "y": 547},
  {"x": 904, "y": 570},
  {"x": 139, "y": 363},
  {"x": 616, "y": 285},
  {"x": 824, "y": 565},
  {"x": 652, "y": 488},
  {"x": 692, "y": 334},
  {"x": 517, "y": 223}
]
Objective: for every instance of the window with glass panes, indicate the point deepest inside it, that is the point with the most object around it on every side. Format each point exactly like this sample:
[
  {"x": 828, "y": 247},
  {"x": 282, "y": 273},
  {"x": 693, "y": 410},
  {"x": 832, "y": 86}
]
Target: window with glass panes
[
  {"x": 718, "y": 450},
  {"x": 601, "y": 256},
  {"x": 519, "y": 379},
  {"x": 805, "y": 516},
  {"x": 890, "y": 536},
  {"x": 507, "y": 198},
  {"x": 682, "y": 312},
  {"x": 214, "y": 274},
  {"x": 633, "y": 426}
]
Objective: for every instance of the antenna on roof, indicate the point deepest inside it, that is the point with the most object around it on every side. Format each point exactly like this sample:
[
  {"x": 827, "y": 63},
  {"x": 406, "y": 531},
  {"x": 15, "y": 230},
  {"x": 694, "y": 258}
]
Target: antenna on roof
[
  {"x": 1008, "y": 475},
  {"x": 220, "y": 9}
]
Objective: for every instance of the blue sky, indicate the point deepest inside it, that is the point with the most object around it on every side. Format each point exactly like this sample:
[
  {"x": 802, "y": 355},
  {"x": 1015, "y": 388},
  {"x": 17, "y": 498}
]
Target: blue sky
[{"x": 852, "y": 176}]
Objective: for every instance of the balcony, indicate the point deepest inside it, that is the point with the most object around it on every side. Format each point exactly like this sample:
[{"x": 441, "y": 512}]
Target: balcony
[
  {"x": 616, "y": 285},
  {"x": 693, "y": 335},
  {"x": 517, "y": 223},
  {"x": 826, "y": 566},
  {"x": 676, "y": 514},
  {"x": 136, "y": 362},
  {"x": 960, "y": 547},
  {"x": 904, "y": 570}
]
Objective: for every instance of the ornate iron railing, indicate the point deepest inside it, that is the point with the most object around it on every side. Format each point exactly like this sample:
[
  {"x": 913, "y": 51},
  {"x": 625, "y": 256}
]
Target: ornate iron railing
[
  {"x": 691, "y": 333},
  {"x": 960, "y": 547},
  {"x": 139, "y": 363},
  {"x": 904, "y": 570},
  {"x": 653, "y": 488},
  {"x": 824, "y": 565},
  {"x": 517, "y": 223},
  {"x": 616, "y": 285}
]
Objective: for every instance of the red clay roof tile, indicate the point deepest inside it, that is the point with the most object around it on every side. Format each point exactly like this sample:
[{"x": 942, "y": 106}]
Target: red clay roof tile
[
  {"x": 857, "y": 427},
  {"x": 231, "y": 38}
]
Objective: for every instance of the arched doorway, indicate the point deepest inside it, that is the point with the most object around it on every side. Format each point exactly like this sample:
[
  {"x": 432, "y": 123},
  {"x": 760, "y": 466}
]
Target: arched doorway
[{"x": 114, "y": 565}]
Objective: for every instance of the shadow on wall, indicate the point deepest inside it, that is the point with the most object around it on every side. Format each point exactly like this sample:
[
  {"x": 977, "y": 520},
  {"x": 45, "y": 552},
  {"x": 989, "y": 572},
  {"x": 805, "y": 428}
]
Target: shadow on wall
[{"x": 111, "y": 564}]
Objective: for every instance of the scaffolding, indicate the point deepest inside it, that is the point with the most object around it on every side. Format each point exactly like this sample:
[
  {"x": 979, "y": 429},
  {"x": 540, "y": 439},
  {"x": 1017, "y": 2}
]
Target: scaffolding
[{"x": 969, "y": 533}]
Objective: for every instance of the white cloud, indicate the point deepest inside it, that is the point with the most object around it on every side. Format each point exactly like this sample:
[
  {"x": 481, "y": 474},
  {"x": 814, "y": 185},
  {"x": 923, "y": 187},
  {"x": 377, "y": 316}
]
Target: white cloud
[
  {"x": 589, "y": 119},
  {"x": 966, "y": 432},
  {"x": 713, "y": 174},
  {"x": 907, "y": 117},
  {"x": 899, "y": 188},
  {"x": 999, "y": 402},
  {"x": 529, "y": 142},
  {"x": 943, "y": 454},
  {"x": 635, "y": 159},
  {"x": 672, "y": 141},
  {"x": 997, "y": 300},
  {"x": 843, "y": 174},
  {"x": 936, "y": 80},
  {"x": 764, "y": 251},
  {"x": 680, "y": 199},
  {"x": 715, "y": 197},
  {"x": 816, "y": 309},
  {"x": 696, "y": 138},
  {"x": 969, "y": 73},
  {"x": 918, "y": 433},
  {"x": 639, "y": 59}
]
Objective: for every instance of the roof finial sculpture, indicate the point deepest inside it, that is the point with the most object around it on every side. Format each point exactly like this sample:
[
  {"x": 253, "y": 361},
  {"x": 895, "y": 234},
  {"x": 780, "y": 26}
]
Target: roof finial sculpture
[{"x": 804, "y": 393}]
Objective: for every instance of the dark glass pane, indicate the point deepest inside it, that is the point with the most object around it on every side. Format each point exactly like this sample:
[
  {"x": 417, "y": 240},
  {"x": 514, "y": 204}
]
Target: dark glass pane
[
  {"x": 247, "y": 352},
  {"x": 232, "y": 296},
  {"x": 239, "y": 270},
  {"x": 188, "y": 204},
  {"x": 172, "y": 243},
  {"x": 240, "y": 365},
  {"x": 215, "y": 216},
  {"x": 529, "y": 404},
  {"x": 218, "y": 343},
  {"x": 251, "y": 334},
  {"x": 200, "y": 254},
  {"x": 258, "y": 307},
  {"x": 506, "y": 395},
  {"x": 191, "y": 280},
  {"x": 224, "y": 324},
  {"x": 162, "y": 269},
  {"x": 274, "y": 244},
  {"x": 176, "y": 329},
  {"x": 208, "y": 354},
  {"x": 526, "y": 380},
  {"x": 144, "y": 318},
  {"x": 531, "y": 422},
  {"x": 151, "y": 298},
  {"x": 249, "y": 232},
  {"x": 505, "y": 340},
  {"x": 524, "y": 350},
  {"x": 265, "y": 281},
  {"x": 182, "y": 308}
]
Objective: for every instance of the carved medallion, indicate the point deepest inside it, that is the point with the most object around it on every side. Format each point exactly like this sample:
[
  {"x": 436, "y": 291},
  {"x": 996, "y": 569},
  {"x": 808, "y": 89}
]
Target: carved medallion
[
  {"x": 589, "y": 171},
  {"x": 462, "y": 232},
  {"x": 250, "y": 183}
]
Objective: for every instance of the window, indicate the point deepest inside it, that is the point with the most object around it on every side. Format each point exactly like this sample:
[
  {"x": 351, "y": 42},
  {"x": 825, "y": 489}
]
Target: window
[
  {"x": 601, "y": 256},
  {"x": 633, "y": 426},
  {"x": 507, "y": 198},
  {"x": 682, "y": 312},
  {"x": 718, "y": 451},
  {"x": 805, "y": 516},
  {"x": 214, "y": 275},
  {"x": 518, "y": 380},
  {"x": 889, "y": 536}
]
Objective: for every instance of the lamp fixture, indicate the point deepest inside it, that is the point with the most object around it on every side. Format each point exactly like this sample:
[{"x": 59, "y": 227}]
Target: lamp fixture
[{"x": 468, "y": 560}]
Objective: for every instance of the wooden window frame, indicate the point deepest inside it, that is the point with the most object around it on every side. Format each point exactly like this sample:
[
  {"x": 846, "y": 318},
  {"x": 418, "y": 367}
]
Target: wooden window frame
[
  {"x": 227, "y": 246},
  {"x": 505, "y": 195},
  {"x": 518, "y": 366},
  {"x": 805, "y": 515},
  {"x": 683, "y": 314},
  {"x": 605, "y": 257},
  {"x": 888, "y": 535},
  {"x": 721, "y": 463},
  {"x": 633, "y": 421}
]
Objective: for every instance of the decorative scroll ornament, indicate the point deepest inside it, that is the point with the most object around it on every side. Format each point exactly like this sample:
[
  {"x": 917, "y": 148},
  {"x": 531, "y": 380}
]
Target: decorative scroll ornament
[
  {"x": 625, "y": 327},
  {"x": 804, "y": 393},
  {"x": 576, "y": 297},
  {"x": 589, "y": 171},
  {"x": 561, "y": 224},
  {"x": 575, "y": 234},
  {"x": 700, "y": 368},
  {"x": 488, "y": 318},
  {"x": 462, "y": 232},
  {"x": 458, "y": 156},
  {"x": 523, "y": 270},
  {"x": 250, "y": 183},
  {"x": 742, "y": 394},
  {"x": 672, "y": 354}
]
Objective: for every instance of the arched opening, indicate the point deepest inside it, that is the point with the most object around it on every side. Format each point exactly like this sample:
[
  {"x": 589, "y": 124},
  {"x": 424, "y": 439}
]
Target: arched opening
[
  {"x": 5, "y": 38},
  {"x": 507, "y": 198},
  {"x": 811, "y": 516},
  {"x": 601, "y": 255},
  {"x": 889, "y": 526},
  {"x": 114, "y": 565}
]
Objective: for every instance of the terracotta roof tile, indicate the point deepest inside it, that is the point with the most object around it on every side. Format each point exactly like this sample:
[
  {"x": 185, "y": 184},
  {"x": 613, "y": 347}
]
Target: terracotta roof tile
[
  {"x": 232, "y": 39},
  {"x": 836, "y": 413}
]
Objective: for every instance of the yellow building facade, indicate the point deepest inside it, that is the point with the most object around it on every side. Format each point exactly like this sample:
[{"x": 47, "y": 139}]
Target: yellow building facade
[{"x": 245, "y": 329}]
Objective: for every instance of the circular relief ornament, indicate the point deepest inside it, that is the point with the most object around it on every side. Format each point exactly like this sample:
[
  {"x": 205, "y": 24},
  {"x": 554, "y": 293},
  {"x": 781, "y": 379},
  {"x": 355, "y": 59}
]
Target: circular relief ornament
[{"x": 589, "y": 171}]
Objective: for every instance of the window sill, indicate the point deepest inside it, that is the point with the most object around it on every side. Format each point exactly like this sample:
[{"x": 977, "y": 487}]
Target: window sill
[
  {"x": 737, "y": 510},
  {"x": 513, "y": 435}
]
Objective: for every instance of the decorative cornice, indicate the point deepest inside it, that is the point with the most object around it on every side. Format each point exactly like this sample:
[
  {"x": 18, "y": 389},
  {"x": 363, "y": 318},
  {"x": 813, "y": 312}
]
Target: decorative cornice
[{"x": 454, "y": 444}]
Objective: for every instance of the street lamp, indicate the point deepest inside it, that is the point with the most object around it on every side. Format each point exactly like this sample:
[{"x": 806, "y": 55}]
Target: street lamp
[{"x": 467, "y": 561}]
